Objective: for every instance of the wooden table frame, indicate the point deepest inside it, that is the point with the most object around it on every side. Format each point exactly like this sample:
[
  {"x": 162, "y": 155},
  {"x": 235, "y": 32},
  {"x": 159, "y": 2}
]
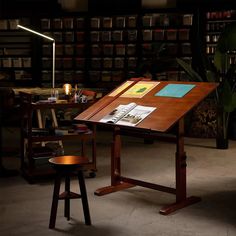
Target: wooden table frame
[
  {"x": 158, "y": 123},
  {"x": 119, "y": 182}
]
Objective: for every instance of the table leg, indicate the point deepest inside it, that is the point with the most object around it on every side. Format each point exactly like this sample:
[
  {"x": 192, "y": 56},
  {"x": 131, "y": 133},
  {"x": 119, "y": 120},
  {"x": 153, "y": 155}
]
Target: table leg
[
  {"x": 180, "y": 165},
  {"x": 116, "y": 184}
]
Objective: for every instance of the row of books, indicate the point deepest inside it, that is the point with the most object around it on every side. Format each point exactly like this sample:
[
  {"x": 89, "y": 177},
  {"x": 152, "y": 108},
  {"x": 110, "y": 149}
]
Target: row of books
[
  {"x": 24, "y": 62},
  {"x": 94, "y": 22},
  {"x": 94, "y": 63},
  {"x": 129, "y": 21},
  {"x": 114, "y": 35}
]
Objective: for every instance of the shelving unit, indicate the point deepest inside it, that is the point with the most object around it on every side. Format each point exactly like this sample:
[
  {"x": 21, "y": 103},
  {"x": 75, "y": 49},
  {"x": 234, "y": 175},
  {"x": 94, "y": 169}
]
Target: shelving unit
[
  {"x": 34, "y": 150},
  {"x": 215, "y": 23},
  {"x": 112, "y": 49},
  {"x": 103, "y": 50},
  {"x": 70, "y": 37},
  {"x": 172, "y": 31},
  {"x": 15, "y": 53},
  {"x": 98, "y": 51}
]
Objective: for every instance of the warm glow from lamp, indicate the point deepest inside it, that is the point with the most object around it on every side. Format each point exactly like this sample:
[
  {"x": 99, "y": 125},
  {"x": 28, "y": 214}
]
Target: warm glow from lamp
[
  {"x": 53, "y": 49},
  {"x": 67, "y": 89}
]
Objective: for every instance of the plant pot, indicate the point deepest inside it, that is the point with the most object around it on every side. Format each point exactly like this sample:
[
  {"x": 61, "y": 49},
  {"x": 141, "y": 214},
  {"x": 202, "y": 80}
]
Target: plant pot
[
  {"x": 221, "y": 130},
  {"x": 222, "y": 143}
]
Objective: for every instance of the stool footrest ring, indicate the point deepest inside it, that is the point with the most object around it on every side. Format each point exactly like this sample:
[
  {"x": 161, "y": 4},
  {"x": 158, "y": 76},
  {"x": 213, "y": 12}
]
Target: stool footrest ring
[{"x": 69, "y": 195}]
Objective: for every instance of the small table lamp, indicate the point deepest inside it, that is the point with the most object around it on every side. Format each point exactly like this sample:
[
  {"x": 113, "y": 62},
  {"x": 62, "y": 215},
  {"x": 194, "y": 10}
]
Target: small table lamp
[{"x": 53, "y": 49}]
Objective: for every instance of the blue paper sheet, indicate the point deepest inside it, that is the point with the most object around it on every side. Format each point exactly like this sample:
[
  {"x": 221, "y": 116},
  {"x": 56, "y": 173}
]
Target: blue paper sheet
[{"x": 175, "y": 90}]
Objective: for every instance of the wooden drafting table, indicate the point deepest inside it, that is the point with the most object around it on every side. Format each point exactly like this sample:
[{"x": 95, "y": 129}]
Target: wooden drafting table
[{"x": 170, "y": 113}]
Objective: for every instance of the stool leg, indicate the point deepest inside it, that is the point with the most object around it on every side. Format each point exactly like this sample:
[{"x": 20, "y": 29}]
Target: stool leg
[
  {"x": 56, "y": 193},
  {"x": 67, "y": 199},
  {"x": 84, "y": 198}
]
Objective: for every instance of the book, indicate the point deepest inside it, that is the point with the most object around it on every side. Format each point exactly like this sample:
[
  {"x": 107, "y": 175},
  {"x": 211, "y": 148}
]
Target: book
[
  {"x": 121, "y": 88},
  {"x": 175, "y": 90},
  {"x": 130, "y": 114},
  {"x": 140, "y": 89}
]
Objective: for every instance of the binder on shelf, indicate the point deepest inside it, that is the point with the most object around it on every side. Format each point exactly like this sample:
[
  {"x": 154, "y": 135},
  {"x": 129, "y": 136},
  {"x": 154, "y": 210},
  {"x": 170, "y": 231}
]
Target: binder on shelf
[
  {"x": 108, "y": 49},
  {"x": 131, "y": 21},
  {"x": 94, "y": 36},
  {"x": 120, "y": 22},
  {"x": 57, "y": 23},
  {"x": 80, "y": 50},
  {"x": 95, "y": 22},
  {"x": 96, "y": 50},
  {"x": 58, "y": 36},
  {"x": 80, "y": 36},
  {"x": 120, "y": 49},
  {"x": 69, "y": 37},
  {"x": 80, "y": 23},
  {"x": 117, "y": 35},
  {"x": 106, "y": 76},
  {"x": 107, "y": 22},
  {"x": 68, "y": 23},
  {"x": 106, "y": 36},
  {"x": 45, "y": 24}
]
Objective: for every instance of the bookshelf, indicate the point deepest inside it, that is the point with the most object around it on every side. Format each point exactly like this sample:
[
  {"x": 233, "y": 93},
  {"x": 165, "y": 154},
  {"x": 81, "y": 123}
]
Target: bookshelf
[
  {"x": 15, "y": 53},
  {"x": 102, "y": 50},
  {"x": 172, "y": 31},
  {"x": 215, "y": 23},
  {"x": 70, "y": 37}
]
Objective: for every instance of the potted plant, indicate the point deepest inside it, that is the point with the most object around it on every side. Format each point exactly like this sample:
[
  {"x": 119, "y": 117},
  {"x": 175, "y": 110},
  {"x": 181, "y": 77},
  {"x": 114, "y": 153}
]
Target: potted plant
[
  {"x": 223, "y": 71},
  {"x": 158, "y": 59}
]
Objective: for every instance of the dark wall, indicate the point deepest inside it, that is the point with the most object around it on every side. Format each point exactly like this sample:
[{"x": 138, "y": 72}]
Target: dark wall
[
  {"x": 114, "y": 6},
  {"x": 207, "y": 4},
  {"x": 15, "y": 8}
]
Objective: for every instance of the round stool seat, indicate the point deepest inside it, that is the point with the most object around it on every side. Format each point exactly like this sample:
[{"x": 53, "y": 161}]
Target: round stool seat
[
  {"x": 68, "y": 160},
  {"x": 65, "y": 166}
]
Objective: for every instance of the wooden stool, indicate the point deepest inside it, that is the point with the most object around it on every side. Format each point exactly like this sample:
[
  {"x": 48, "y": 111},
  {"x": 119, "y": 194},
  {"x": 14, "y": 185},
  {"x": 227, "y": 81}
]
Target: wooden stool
[{"x": 64, "y": 166}]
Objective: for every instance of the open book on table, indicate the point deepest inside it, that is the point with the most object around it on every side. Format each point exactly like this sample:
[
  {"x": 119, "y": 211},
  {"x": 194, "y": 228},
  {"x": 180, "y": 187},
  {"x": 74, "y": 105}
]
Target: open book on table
[{"x": 130, "y": 114}]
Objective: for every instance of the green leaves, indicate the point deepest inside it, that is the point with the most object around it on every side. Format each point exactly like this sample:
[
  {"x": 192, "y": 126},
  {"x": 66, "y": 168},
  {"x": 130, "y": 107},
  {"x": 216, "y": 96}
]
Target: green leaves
[
  {"x": 220, "y": 70},
  {"x": 193, "y": 75},
  {"x": 226, "y": 44}
]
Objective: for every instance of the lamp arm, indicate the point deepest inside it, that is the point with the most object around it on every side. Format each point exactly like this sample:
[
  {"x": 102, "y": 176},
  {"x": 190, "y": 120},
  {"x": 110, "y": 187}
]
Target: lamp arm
[
  {"x": 53, "y": 49},
  {"x": 35, "y": 32},
  {"x": 53, "y": 64}
]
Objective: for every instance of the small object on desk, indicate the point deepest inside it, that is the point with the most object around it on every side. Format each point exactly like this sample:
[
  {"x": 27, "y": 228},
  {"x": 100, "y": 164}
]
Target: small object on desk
[
  {"x": 77, "y": 96},
  {"x": 80, "y": 128},
  {"x": 45, "y": 101},
  {"x": 83, "y": 99},
  {"x": 52, "y": 99},
  {"x": 41, "y": 132},
  {"x": 61, "y": 132},
  {"x": 62, "y": 101},
  {"x": 67, "y": 89},
  {"x": 54, "y": 95}
]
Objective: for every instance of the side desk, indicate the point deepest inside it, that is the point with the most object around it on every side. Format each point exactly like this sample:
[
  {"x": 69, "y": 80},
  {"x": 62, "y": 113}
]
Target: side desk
[
  {"x": 33, "y": 143},
  {"x": 169, "y": 115}
]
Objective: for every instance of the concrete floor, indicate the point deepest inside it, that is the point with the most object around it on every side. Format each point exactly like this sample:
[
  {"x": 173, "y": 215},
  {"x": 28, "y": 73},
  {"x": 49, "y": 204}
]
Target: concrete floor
[{"x": 25, "y": 208}]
